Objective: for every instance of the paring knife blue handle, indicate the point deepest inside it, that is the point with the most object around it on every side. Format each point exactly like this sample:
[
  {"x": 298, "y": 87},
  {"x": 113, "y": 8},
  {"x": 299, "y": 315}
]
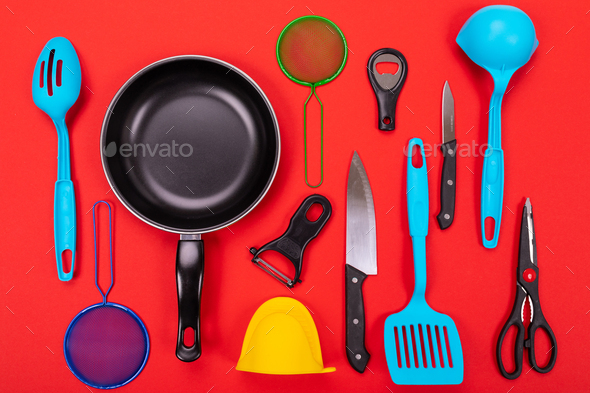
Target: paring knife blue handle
[{"x": 417, "y": 196}]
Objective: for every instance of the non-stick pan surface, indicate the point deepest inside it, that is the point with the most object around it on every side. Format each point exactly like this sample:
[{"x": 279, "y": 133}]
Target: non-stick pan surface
[
  {"x": 190, "y": 144},
  {"x": 195, "y": 144}
]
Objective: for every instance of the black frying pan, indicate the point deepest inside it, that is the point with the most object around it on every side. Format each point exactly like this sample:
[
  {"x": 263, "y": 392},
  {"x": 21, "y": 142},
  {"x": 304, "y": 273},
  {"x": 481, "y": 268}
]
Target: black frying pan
[{"x": 190, "y": 144}]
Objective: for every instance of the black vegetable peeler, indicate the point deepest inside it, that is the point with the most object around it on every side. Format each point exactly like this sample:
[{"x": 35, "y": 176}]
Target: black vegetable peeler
[{"x": 293, "y": 242}]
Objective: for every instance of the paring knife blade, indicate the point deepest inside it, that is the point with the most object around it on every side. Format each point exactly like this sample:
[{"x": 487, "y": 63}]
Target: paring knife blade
[
  {"x": 449, "y": 151},
  {"x": 361, "y": 259}
]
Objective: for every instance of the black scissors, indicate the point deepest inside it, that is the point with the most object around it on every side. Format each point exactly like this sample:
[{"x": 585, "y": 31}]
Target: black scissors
[{"x": 527, "y": 285}]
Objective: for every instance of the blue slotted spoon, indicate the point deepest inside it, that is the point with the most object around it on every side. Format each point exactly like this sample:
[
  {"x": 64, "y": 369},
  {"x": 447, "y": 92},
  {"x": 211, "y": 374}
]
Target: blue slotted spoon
[
  {"x": 416, "y": 337},
  {"x": 56, "y": 86}
]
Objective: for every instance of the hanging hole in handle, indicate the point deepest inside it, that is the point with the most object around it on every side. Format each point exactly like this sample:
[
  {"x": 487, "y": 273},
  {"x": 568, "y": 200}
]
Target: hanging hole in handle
[
  {"x": 66, "y": 261},
  {"x": 490, "y": 227},
  {"x": 416, "y": 157},
  {"x": 386, "y": 120},
  {"x": 543, "y": 347},
  {"x": 387, "y": 67},
  {"x": 507, "y": 350},
  {"x": 188, "y": 337},
  {"x": 314, "y": 212}
]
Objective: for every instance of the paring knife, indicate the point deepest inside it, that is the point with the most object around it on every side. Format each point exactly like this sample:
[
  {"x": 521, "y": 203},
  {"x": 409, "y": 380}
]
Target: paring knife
[
  {"x": 449, "y": 151},
  {"x": 361, "y": 259}
]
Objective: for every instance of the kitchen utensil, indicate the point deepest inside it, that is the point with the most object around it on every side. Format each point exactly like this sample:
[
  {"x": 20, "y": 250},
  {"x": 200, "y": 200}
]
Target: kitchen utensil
[
  {"x": 449, "y": 151},
  {"x": 282, "y": 339},
  {"x": 527, "y": 287},
  {"x": 56, "y": 86},
  {"x": 190, "y": 144},
  {"x": 312, "y": 51},
  {"x": 361, "y": 259},
  {"x": 500, "y": 39},
  {"x": 387, "y": 86},
  {"x": 106, "y": 345},
  {"x": 292, "y": 243},
  {"x": 422, "y": 346}
]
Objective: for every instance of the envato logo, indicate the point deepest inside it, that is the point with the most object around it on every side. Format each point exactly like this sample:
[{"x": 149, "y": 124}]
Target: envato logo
[
  {"x": 462, "y": 150},
  {"x": 145, "y": 149}
]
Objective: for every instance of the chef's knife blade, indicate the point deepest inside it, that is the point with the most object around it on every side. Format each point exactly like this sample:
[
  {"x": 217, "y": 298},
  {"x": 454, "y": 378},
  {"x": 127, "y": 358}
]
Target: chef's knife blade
[
  {"x": 449, "y": 151},
  {"x": 361, "y": 259}
]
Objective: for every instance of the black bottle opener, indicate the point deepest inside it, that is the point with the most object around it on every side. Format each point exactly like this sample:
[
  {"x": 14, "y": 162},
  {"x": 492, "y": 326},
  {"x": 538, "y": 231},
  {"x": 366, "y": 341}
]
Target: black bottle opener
[
  {"x": 293, "y": 242},
  {"x": 387, "y": 86}
]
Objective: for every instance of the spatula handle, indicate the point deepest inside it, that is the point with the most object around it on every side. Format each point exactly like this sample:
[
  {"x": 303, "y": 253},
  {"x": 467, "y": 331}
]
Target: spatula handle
[
  {"x": 417, "y": 196},
  {"x": 417, "y": 192}
]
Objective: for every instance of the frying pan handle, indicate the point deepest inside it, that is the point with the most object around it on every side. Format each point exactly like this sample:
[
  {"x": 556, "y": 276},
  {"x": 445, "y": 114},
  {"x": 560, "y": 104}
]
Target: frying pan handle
[{"x": 189, "y": 282}]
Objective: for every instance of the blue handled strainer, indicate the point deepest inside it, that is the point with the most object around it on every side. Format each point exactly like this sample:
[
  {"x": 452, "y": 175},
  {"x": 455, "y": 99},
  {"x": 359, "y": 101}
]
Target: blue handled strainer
[{"x": 106, "y": 345}]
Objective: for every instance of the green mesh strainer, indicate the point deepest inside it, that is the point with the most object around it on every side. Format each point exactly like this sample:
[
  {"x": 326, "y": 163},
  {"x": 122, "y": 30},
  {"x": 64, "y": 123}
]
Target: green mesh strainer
[{"x": 312, "y": 51}]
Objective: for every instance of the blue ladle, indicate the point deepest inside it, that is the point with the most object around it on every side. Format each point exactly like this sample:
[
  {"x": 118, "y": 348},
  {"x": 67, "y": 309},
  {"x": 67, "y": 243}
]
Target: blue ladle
[
  {"x": 501, "y": 39},
  {"x": 56, "y": 86}
]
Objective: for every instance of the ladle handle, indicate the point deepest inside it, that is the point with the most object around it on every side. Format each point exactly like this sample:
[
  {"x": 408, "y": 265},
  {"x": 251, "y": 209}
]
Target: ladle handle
[{"x": 492, "y": 193}]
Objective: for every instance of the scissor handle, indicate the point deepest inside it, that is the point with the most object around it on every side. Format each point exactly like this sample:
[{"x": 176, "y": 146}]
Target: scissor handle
[
  {"x": 515, "y": 319},
  {"x": 539, "y": 321}
]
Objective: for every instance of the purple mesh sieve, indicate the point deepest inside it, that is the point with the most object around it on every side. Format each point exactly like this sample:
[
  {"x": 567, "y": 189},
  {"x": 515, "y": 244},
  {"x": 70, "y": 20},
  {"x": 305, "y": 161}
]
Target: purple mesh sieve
[{"x": 106, "y": 345}]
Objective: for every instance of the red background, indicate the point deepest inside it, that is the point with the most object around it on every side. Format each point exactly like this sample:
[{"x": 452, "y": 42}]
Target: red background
[{"x": 545, "y": 131}]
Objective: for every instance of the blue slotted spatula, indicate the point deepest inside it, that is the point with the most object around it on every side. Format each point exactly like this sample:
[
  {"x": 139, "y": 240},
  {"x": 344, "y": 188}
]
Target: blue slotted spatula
[
  {"x": 56, "y": 86},
  {"x": 422, "y": 346}
]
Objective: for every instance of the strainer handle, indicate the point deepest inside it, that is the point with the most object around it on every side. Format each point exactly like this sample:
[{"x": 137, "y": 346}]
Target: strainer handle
[{"x": 104, "y": 295}]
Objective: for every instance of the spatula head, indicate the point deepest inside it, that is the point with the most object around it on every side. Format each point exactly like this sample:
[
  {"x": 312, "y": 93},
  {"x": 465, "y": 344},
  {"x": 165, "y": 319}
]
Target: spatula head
[{"x": 422, "y": 347}]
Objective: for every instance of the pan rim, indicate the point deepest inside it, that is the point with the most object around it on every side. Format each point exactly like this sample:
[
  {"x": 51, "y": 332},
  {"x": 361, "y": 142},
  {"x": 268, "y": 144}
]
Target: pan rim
[{"x": 110, "y": 111}]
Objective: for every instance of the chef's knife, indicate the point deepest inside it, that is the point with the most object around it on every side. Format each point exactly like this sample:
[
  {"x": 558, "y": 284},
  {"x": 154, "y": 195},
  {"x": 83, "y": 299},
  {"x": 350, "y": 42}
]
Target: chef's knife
[
  {"x": 361, "y": 259},
  {"x": 449, "y": 151}
]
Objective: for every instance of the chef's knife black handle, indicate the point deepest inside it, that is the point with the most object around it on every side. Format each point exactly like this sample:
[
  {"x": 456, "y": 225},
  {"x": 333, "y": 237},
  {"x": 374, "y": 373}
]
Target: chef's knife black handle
[
  {"x": 357, "y": 354},
  {"x": 448, "y": 184}
]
